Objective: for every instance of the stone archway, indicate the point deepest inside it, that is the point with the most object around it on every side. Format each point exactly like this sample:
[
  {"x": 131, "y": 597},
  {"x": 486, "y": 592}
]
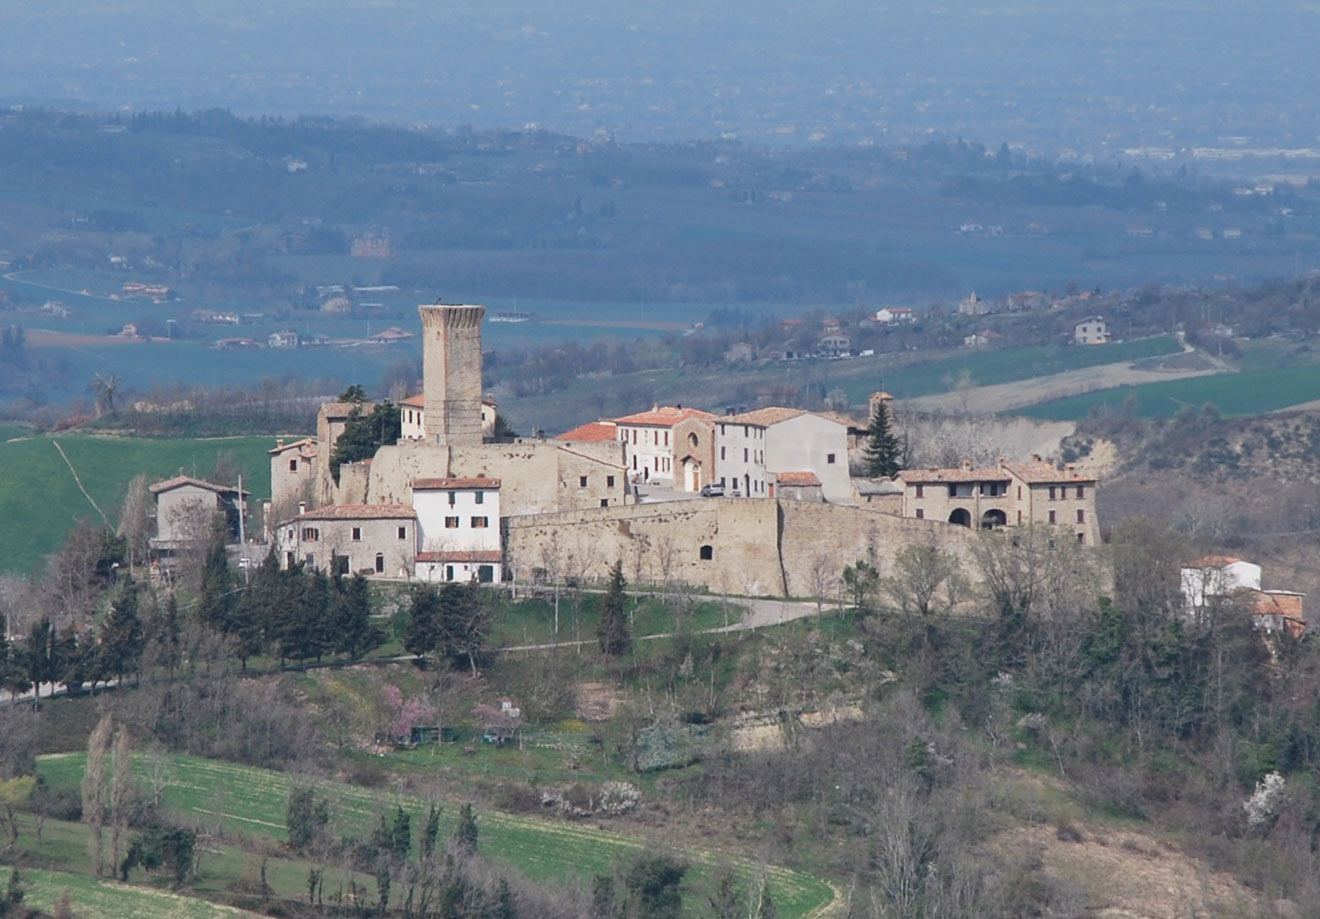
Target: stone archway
[
  {"x": 961, "y": 517},
  {"x": 993, "y": 519}
]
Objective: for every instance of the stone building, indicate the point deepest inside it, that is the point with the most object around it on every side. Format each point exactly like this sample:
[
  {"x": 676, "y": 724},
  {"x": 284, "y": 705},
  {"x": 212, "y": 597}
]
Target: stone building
[
  {"x": 186, "y": 508},
  {"x": 1007, "y": 494},
  {"x": 371, "y": 539},
  {"x": 292, "y": 474}
]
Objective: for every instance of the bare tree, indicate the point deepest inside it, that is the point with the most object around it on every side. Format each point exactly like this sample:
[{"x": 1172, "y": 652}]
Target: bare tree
[
  {"x": 822, "y": 579},
  {"x": 137, "y": 519},
  {"x": 925, "y": 580},
  {"x": 93, "y": 792}
]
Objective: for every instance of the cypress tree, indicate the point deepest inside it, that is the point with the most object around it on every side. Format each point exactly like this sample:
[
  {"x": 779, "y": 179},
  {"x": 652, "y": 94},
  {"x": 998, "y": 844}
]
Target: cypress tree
[
  {"x": 882, "y": 453},
  {"x": 613, "y": 628}
]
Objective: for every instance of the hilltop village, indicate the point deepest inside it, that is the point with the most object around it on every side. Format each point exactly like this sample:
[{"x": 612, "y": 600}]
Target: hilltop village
[{"x": 755, "y": 502}]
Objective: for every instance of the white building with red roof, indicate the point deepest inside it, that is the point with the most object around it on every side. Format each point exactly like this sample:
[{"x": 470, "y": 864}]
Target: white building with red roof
[
  {"x": 458, "y": 528},
  {"x": 649, "y": 436}
]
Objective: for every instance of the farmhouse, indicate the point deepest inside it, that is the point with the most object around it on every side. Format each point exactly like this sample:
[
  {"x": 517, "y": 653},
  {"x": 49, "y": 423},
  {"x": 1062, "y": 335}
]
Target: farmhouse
[
  {"x": 1093, "y": 330},
  {"x": 185, "y": 509},
  {"x": 1007, "y": 494}
]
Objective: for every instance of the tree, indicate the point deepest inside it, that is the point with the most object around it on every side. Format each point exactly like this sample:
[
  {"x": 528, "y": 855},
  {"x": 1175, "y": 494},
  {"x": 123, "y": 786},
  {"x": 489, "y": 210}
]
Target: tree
[
  {"x": 423, "y": 631},
  {"x": 214, "y": 595},
  {"x": 136, "y": 520},
  {"x": 654, "y": 884},
  {"x": 861, "y": 580},
  {"x": 122, "y": 792},
  {"x": 364, "y": 434},
  {"x": 464, "y": 623},
  {"x": 306, "y": 815},
  {"x": 123, "y": 637},
  {"x": 13, "y": 792},
  {"x": 925, "y": 580},
  {"x": 612, "y": 631},
  {"x": 93, "y": 791},
  {"x": 465, "y": 832},
  {"x": 883, "y": 453},
  {"x": 354, "y": 634}
]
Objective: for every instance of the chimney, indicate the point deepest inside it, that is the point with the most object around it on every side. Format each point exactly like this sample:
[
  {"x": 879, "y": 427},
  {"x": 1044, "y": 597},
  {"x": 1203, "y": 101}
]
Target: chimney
[
  {"x": 966, "y": 463},
  {"x": 302, "y": 508},
  {"x": 279, "y": 442}
]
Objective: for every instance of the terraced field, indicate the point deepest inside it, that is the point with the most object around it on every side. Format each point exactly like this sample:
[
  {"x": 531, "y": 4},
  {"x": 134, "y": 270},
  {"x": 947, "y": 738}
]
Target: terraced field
[{"x": 251, "y": 803}]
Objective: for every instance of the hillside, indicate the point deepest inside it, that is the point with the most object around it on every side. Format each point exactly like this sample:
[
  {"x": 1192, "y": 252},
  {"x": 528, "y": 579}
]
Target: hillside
[{"x": 42, "y": 498}]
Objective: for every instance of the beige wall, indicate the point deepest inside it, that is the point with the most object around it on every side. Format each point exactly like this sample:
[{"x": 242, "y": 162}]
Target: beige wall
[
  {"x": 184, "y": 514},
  {"x": 289, "y": 486},
  {"x": 758, "y": 546},
  {"x": 335, "y": 537},
  {"x": 537, "y": 476}
]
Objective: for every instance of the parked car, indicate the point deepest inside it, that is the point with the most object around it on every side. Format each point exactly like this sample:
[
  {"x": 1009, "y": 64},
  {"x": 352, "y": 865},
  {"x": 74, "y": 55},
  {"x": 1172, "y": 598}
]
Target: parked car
[{"x": 712, "y": 491}]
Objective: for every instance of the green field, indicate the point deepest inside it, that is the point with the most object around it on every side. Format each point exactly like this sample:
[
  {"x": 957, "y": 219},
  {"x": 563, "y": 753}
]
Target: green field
[
  {"x": 92, "y": 898},
  {"x": 1248, "y": 393},
  {"x": 40, "y": 501},
  {"x": 250, "y": 803}
]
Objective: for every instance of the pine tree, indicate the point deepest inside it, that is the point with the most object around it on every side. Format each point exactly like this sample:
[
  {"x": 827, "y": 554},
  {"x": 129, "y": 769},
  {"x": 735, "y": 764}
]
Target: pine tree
[
  {"x": 882, "y": 453},
  {"x": 423, "y": 632},
  {"x": 123, "y": 637},
  {"x": 214, "y": 599},
  {"x": 354, "y": 634},
  {"x": 465, "y": 833},
  {"x": 613, "y": 628}
]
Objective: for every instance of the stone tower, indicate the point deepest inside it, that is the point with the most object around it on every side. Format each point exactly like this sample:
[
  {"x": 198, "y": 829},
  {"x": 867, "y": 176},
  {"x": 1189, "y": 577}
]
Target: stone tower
[{"x": 451, "y": 367}]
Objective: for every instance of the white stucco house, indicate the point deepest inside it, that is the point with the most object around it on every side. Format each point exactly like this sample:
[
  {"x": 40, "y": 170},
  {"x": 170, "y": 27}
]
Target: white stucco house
[
  {"x": 458, "y": 529},
  {"x": 753, "y": 448},
  {"x": 649, "y": 437}
]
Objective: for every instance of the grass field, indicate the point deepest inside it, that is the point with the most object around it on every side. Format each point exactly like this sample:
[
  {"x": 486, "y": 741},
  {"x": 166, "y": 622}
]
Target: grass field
[
  {"x": 40, "y": 501},
  {"x": 250, "y": 803},
  {"x": 92, "y": 898},
  {"x": 1247, "y": 393}
]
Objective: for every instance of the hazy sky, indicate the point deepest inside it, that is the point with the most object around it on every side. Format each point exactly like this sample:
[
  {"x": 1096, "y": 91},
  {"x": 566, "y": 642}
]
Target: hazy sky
[{"x": 1089, "y": 75}]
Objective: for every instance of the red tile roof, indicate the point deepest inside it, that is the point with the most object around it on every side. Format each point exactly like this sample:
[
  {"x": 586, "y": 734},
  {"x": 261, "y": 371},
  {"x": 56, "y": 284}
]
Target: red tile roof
[
  {"x": 305, "y": 442},
  {"x": 799, "y": 479},
  {"x": 764, "y": 417},
  {"x": 955, "y": 474},
  {"x": 1214, "y": 561},
  {"x": 595, "y": 431},
  {"x": 664, "y": 416},
  {"x": 344, "y": 409},
  {"x": 469, "y": 556},
  {"x": 180, "y": 480},
  {"x": 1041, "y": 473},
  {"x": 454, "y": 482},
  {"x": 361, "y": 512},
  {"x": 417, "y": 401}
]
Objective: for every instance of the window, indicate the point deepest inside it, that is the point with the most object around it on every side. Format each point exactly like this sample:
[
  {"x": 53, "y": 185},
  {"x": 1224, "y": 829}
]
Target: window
[
  {"x": 339, "y": 563},
  {"x": 293, "y": 465},
  {"x": 609, "y": 481},
  {"x": 921, "y": 491},
  {"x": 1081, "y": 491},
  {"x": 744, "y": 430},
  {"x": 921, "y": 514},
  {"x": 1081, "y": 539},
  {"x": 480, "y": 497},
  {"x": 357, "y": 534},
  {"x": 1052, "y": 495},
  {"x": 311, "y": 534},
  {"x": 380, "y": 563},
  {"x": 604, "y": 502},
  {"x": 634, "y": 438},
  {"x": 1052, "y": 516},
  {"x": 1019, "y": 517},
  {"x": 707, "y": 553},
  {"x": 721, "y": 481},
  {"x": 829, "y": 458},
  {"x": 1081, "y": 515},
  {"x": 453, "y": 498},
  {"x": 582, "y": 481},
  {"x": 1019, "y": 492},
  {"x": 744, "y": 454},
  {"x": 449, "y": 572},
  {"x": 485, "y": 574},
  {"x": 479, "y": 523},
  {"x": 666, "y": 438},
  {"x": 403, "y": 532},
  {"x": 634, "y": 462},
  {"x": 451, "y": 523},
  {"x": 721, "y": 453},
  {"x": 692, "y": 441}
]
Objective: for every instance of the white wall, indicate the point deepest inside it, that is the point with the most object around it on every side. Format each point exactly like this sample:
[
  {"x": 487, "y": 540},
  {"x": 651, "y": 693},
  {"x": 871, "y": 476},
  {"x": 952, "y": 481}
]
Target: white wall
[
  {"x": 740, "y": 458},
  {"x": 806, "y": 444},
  {"x": 433, "y": 508}
]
